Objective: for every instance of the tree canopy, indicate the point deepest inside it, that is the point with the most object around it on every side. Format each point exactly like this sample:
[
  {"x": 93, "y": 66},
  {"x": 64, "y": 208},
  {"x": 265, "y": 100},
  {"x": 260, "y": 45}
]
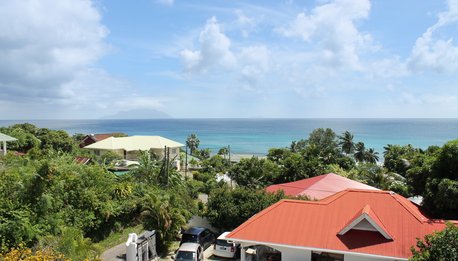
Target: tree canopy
[{"x": 439, "y": 246}]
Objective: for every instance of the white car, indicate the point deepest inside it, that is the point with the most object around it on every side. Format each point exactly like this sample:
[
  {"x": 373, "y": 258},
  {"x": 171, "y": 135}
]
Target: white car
[
  {"x": 189, "y": 252},
  {"x": 225, "y": 248}
]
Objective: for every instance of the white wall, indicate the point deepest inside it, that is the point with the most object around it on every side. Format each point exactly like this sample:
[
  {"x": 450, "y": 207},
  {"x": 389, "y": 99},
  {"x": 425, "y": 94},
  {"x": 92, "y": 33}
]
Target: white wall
[
  {"x": 348, "y": 257},
  {"x": 291, "y": 254}
]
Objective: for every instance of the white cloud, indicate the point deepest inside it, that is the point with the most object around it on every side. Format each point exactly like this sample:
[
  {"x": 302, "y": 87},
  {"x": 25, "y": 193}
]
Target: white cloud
[
  {"x": 439, "y": 55},
  {"x": 214, "y": 50},
  {"x": 48, "y": 53},
  {"x": 428, "y": 99},
  {"x": 248, "y": 64},
  {"x": 43, "y": 44},
  {"x": 388, "y": 68},
  {"x": 255, "y": 61},
  {"x": 247, "y": 24},
  {"x": 165, "y": 2},
  {"x": 331, "y": 27}
]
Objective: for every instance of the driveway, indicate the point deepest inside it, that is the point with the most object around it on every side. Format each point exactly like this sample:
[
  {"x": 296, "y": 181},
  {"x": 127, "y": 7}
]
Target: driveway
[{"x": 208, "y": 255}]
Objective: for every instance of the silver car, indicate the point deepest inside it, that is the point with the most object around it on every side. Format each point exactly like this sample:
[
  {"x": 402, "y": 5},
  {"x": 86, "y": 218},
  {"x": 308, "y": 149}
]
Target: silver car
[
  {"x": 225, "y": 248},
  {"x": 189, "y": 252}
]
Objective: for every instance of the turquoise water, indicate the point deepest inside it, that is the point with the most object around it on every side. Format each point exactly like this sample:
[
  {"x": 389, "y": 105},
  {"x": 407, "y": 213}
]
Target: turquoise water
[{"x": 256, "y": 136}]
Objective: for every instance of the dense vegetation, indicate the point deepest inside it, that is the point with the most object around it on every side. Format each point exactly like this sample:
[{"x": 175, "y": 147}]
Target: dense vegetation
[
  {"x": 51, "y": 203},
  {"x": 439, "y": 246}
]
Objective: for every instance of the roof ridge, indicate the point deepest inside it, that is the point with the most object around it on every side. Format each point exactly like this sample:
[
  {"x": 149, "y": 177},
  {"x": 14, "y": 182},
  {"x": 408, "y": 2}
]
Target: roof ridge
[
  {"x": 258, "y": 215},
  {"x": 420, "y": 217},
  {"x": 280, "y": 185}
]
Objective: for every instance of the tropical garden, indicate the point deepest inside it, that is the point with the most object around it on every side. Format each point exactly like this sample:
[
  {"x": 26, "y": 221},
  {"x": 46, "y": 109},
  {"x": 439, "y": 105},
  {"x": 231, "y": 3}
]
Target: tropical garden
[{"x": 51, "y": 204}]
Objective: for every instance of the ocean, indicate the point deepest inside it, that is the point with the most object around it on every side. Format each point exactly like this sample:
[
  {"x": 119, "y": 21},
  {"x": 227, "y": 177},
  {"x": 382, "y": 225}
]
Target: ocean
[{"x": 256, "y": 136}]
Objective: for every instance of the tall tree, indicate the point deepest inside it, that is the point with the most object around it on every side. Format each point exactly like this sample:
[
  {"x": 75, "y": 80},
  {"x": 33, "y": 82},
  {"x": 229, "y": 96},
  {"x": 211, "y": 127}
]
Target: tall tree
[
  {"x": 360, "y": 151},
  {"x": 228, "y": 208},
  {"x": 192, "y": 142},
  {"x": 224, "y": 151},
  {"x": 254, "y": 172},
  {"x": 441, "y": 189},
  {"x": 371, "y": 156},
  {"x": 346, "y": 143},
  {"x": 398, "y": 158}
]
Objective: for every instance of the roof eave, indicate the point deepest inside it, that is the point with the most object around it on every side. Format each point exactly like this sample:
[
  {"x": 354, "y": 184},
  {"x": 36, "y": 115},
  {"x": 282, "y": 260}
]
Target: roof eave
[{"x": 316, "y": 249}]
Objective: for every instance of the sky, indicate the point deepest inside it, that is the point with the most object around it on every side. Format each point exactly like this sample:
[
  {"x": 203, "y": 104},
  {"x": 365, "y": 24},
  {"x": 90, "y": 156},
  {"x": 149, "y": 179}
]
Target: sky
[{"x": 82, "y": 59}]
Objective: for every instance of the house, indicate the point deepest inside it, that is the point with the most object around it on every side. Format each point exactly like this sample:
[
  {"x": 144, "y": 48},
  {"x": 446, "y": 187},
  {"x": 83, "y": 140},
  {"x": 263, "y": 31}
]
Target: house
[
  {"x": 3, "y": 139},
  {"x": 318, "y": 187},
  {"x": 129, "y": 147},
  {"x": 93, "y": 138},
  {"x": 353, "y": 224}
]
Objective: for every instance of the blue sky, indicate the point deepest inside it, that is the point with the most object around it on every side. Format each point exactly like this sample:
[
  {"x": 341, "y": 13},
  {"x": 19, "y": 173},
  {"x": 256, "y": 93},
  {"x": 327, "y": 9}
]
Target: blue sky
[{"x": 237, "y": 59}]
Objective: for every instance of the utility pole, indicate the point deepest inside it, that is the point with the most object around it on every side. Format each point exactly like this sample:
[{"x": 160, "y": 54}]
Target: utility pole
[
  {"x": 186, "y": 163},
  {"x": 165, "y": 167},
  {"x": 167, "y": 164},
  {"x": 229, "y": 152}
]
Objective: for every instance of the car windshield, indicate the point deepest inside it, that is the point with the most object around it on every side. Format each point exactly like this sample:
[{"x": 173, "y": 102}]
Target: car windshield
[
  {"x": 185, "y": 256},
  {"x": 189, "y": 238},
  {"x": 222, "y": 242}
]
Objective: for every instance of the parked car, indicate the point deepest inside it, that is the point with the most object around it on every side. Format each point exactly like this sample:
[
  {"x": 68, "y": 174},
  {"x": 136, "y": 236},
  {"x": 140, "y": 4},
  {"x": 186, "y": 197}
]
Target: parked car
[
  {"x": 226, "y": 248},
  {"x": 199, "y": 235},
  {"x": 189, "y": 252}
]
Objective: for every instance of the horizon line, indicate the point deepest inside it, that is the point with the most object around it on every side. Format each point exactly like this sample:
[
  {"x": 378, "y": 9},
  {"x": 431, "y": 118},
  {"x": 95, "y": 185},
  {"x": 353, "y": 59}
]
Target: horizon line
[{"x": 242, "y": 118}]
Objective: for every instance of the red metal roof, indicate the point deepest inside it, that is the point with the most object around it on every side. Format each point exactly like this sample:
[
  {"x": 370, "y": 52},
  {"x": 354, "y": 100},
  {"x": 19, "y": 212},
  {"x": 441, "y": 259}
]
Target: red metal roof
[
  {"x": 316, "y": 224},
  {"x": 318, "y": 187},
  {"x": 82, "y": 160},
  {"x": 93, "y": 138},
  {"x": 102, "y": 136}
]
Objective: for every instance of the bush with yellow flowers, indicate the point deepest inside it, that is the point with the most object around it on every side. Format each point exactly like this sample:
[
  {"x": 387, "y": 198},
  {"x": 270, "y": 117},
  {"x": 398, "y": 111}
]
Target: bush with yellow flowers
[{"x": 27, "y": 254}]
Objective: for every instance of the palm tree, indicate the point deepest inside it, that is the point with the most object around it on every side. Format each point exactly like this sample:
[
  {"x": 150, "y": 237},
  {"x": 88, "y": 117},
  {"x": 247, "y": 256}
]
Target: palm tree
[
  {"x": 346, "y": 143},
  {"x": 388, "y": 149},
  {"x": 223, "y": 151},
  {"x": 192, "y": 142},
  {"x": 371, "y": 156},
  {"x": 360, "y": 151},
  {"x": 147, "y": 170}
]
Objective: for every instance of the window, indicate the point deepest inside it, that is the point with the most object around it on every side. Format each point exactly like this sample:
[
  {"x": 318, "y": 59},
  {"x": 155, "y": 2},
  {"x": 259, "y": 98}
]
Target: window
[
  {"x": 186, "y": 256},
  {"x": 323, "y": 256},
  {"x": 189, "y": 238}
]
